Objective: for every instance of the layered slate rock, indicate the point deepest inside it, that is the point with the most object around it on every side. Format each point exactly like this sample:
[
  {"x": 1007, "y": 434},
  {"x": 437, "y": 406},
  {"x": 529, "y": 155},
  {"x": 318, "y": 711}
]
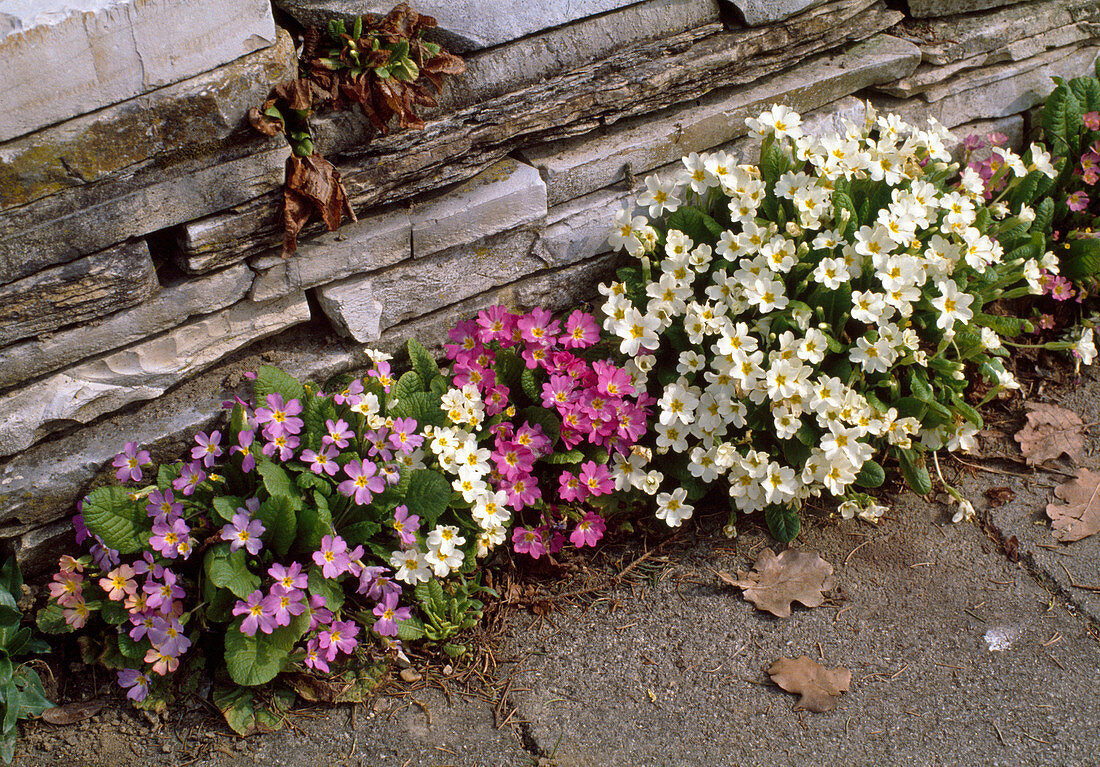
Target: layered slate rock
[
  {"x": 957, "y": 44},
  {"x": 410, "y": 290},
  {"x": 373, "y": 242},
  {"x": 144, "y": 371},
  {"x": 577, "y": 166},
  {"x": 76, "y": 292},
  {"x": 925, "y": 8},
  {"x": 65, "y": 226},
  {"x": 504, "y": 196},
  {"x": 141, "y": 139},
  {"x": 638, "y": 79},
  {"x": 464, "y": 25},
  {"x": 164, "y": 310},
  {"x": 1001, "y": 90},
  {"x": 758, "y": 12},
  {"x": 62, "y": 58}
]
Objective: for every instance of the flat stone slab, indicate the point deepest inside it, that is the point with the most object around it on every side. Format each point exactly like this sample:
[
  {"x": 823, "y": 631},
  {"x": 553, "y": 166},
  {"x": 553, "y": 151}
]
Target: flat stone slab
[
  {"x": 1007, "y": 90},
  {"x": 574, "y": 167},
  {"x": 504, "y": 196},
  {"x": 165, "y": 309},
  {"x": 464, "y": 25},
  {"x": 759, "y": 12},
  {"x": 926, "y": 8},
  {"x": 140, "y": 140},
  {"x": 957, "y": 38},
  {"x": 65, "y": 226},
  {"x": 373, "y": 242},
  {"x": 418, "y": 287},
  {"x": 949, "y": 645},
  {"x": 92, "y": 389},
  {"x": 76, "y": 292},
  {"x": 62, "y": 58}
]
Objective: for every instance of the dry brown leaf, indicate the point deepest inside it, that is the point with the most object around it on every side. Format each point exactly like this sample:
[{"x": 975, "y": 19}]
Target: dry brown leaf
[
  {"x": 1049, "y": 432},
  {"x": 312, "y": 184},
  {"x": 777, "y": 581},
  {"x": 71, "y": 713},
  {"x": 1079, "y": 516},
  {"x": 999, "y": 496},
  {"x": 819, "y": 687}
]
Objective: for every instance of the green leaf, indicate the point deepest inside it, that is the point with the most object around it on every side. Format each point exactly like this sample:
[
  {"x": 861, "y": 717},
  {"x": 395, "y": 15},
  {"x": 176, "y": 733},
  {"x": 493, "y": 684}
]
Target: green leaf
[
  {"x": 34, "y": 700},
  {"x": 360, "y": 533},
  {"x": 918, "y": 384},
  {"x": 530, "y": 385},
  {"x": 695, "y": 224},
  {"x": 1079, "y": 258},
  {"x": 1044, "y": 215},
  {"x": 130, "y": 648},
  {"x": 421, "y": 406},
  {"x": 276, "y": 480},
  {"x": 11, "y": 579},
  {"x": 871, "y": 474},
  {"x": 1061, "y": 119},
  {"x": 314, "y": 523},
  {"x": 569, "y": 456},
  {"x": 783, "y": 522},
  {"x": 120, "y": 522},
  {"x": 256, "y": 660},
  {"x": 321, "y": 586},
  {"x": 271, "y": 380},
  {"x": 411, "y": 630},
  {"x": 773, "y": 164},
  {"x": 226, "y": 506},
  {"x": 912, "y": 468},
  {"x": 1004, "y": 326},
  {"x": 280, "y": 523},
  {"x": 230, "y": 570},
  {"x": 307, "y": 480},
  {"x": 50, "y": 620},
  {"x": 238, "y": 708},
  {"x": 422, "y": 361},
  {"x": 550, "y": 423},
  {"x": 219, "y": 606},
  {"x": 315, "y": 411},
  {"x": 1087, "y": 92},
  {"x": 167, "y": 472},
  {"x": 1025, "y": 191},
  {"x": 842, "y": 202},
  {"x": 408, "y": 384},
  {"x": 429, "y": 493}
]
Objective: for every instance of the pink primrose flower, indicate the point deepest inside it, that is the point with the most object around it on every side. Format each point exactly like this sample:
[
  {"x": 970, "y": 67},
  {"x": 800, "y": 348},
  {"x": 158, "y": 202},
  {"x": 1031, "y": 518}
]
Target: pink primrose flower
[
  {"x": 333, "y": 557},
  {"x": 129, "y": 463},
  {"x": 363, "y": 482},
  {"x": 244, "y": 447},
  {"x": 581, "y": 331},
  {"x": 259, "y": 613},
  {"x": 572, "y": 489},
  {"x": 596, "y": 478},
  {"x": 208, "y": 448},
  {"x": 323, "y": 462},
  {"x": 190, "y": 478},
  {"x": 340, "y": 638},
  {"x": 337, "y": 433},
  {"x": 135, "y": 683},
  {"x": 389, "y": 615},
  {"x": 278, "y": 417},
  {"x": 588, "y": 531},
  {"x": 1091, "y": 120},
  {"x": 349, "y": 396},
  {"x": 244, "y": 531},
  {"x": 528, "y": 541},
  {"x": 1078, "y": 201}
]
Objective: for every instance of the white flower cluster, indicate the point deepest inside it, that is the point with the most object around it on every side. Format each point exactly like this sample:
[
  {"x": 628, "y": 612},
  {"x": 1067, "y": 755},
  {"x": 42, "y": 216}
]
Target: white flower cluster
[{"x": 746, "y": 308}]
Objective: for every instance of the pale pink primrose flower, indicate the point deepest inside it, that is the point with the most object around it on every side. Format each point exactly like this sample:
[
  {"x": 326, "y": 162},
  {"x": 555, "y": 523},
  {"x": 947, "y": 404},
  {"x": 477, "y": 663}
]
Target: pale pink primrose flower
[
  {"x": 208, "y": 448},
  {"x": 130, "y": 461},
  {"x": 244, "y": 531}
]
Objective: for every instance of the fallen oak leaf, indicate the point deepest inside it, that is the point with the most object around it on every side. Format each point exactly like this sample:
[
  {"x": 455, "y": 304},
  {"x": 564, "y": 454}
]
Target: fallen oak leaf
[
  {"x": 71, "y": 713},
  {"x": 1079, "y": 516},
  {"x": 1050, "y": 431},
  {"x": 819, "y": 687},
  {"x": 777, "y": 581}
]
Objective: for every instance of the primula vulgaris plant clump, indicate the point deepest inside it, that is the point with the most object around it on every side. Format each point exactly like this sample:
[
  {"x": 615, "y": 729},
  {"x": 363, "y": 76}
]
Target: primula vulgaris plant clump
[
  {"x": 323, "y": 520},
  {"x": 803, "y": 319}
]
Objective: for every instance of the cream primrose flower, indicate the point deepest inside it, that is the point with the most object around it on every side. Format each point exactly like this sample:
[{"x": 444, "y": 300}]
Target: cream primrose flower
[
  {"x": 1086, "y": 346},
  {"x": 672, "y": 508},
  {"x": 905, "y": 266},
  {"x": 1040, "y": 161},
  {"x": 660, "y": 196}
]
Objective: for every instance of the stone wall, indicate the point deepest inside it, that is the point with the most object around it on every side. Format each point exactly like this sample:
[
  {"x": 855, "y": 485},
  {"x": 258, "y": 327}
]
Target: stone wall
[{"x": 139, "y": 239}]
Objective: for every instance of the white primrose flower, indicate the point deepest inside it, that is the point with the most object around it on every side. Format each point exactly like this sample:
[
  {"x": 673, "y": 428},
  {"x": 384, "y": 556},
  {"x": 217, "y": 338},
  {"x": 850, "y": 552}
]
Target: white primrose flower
[
  {"x": 660, "y": 197},
  {"x": 952, "y": 304},
  {"x": 627, "y": 234},
  {"x": 965, "y": 512},
  {"x": 780, "y": 120},
  {"x": 445, "y": 538},
  {"x": 1040, "y": 161},
  {"x": 672, "y": 508},
  {"x": 696, "y": 174},
  {"x": 410, "y": 566},
  {"x": 443, "y": 562},
  {"x": 1086, "y": 346}
]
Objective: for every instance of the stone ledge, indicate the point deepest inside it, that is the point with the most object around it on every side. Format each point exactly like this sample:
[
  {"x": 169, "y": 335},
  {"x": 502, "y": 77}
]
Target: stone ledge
[
  {"x": 577, "y": 166},
  {"x": 464, "y": 25},
  {"x": 92, "y": 389},
  {"x": 139, "y": 140},
  {"x": 504, "y": 196},
  {"x": 158, "y": 313},
  {"x": 925, "y": 8},
  {"x": 60, "y": 59},
  {"x": 65, "y": 226},
  {"x": 78, "y": 291},
  {"x": 1007, "y": 91},
  {"x": 381, "y": 240}
]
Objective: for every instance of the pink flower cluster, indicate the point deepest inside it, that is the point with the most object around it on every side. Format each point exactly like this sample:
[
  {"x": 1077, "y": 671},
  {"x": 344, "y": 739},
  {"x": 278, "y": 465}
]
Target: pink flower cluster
[{"x": 988, "y": 166}]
